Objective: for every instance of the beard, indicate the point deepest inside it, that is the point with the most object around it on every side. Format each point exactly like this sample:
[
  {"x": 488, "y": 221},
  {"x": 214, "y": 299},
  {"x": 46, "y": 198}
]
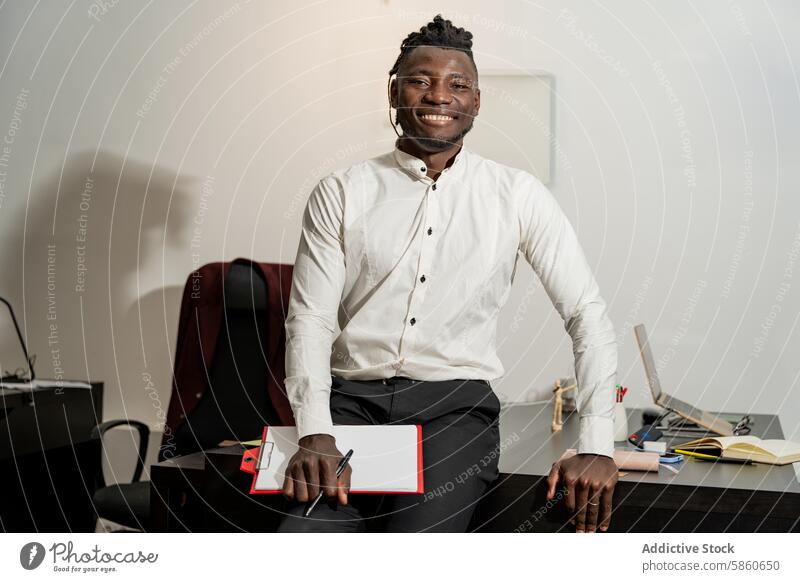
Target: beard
[{"x": 427, "y": 143}]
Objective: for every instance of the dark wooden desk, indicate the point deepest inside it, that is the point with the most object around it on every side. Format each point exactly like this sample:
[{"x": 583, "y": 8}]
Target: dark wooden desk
[
  {"x": 207, "y": 492},
  {"x": 48, "y": 459},
  {"x": 702, "y": 496}
]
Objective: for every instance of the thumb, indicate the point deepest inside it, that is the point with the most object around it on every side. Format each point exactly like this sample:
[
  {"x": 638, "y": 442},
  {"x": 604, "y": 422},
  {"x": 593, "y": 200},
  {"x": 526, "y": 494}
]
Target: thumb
[
  {"x": 344, "y": 486},
  {"x": 552, "y": 481}
]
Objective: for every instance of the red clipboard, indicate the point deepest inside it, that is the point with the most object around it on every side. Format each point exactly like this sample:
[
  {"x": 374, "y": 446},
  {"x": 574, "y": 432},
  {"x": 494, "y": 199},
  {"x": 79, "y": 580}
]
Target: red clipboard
[{"x": 250, "y": 460}]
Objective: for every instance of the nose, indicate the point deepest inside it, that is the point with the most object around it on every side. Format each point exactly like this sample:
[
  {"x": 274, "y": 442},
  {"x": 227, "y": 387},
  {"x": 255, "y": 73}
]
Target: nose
[{"x": 439, "y": 92}]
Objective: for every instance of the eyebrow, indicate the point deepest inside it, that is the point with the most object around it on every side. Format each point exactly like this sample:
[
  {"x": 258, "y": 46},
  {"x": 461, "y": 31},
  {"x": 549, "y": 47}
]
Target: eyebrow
[{"x": 432, "y": 73}]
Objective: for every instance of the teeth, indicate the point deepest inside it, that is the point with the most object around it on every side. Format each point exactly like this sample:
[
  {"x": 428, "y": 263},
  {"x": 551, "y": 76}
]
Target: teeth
[{"x": 437, "y": 117}]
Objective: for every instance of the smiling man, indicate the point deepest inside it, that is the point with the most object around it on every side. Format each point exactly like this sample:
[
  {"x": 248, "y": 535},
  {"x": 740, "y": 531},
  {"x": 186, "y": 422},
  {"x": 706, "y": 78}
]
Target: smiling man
[{"x": 415, "y": 252}]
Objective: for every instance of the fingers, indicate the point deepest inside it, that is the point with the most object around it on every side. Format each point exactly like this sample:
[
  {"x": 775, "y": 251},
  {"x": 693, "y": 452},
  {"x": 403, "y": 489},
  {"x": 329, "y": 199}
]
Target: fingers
[
  {"x": 327, "y": 475},
  {"x": 311, "y": 472},
  {"x": 593, "y": 508},
  {"x": 570, "y": 493},
  {"x": 344, "y": 485},
  {"x": 605, "y": 508},
  {"x": 581, "y": 498},
  {"x": 300, "y": 483},
  {"x": 552, "y": 480},
  {"x": 288, "y": 486}
]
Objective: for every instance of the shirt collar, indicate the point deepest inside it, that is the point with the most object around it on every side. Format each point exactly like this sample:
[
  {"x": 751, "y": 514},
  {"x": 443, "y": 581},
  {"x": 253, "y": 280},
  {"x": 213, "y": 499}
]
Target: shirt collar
[{"x": 417, "y": 168}]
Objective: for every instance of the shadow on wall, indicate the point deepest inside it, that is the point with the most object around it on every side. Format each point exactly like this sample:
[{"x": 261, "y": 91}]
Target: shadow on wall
[{"x": 100, "y": 238}]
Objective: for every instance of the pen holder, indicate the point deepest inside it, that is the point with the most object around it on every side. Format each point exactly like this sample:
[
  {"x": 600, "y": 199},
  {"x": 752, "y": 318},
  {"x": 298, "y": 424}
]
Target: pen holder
[{"x": 620, "y": 422}]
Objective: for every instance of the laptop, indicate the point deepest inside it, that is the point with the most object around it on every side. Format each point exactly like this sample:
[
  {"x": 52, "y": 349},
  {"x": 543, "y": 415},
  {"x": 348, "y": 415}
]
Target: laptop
[
  {"x": 683, "y": 409},
  {"x": 28, "y": 380},
  {"x": 16, "y": 378}
]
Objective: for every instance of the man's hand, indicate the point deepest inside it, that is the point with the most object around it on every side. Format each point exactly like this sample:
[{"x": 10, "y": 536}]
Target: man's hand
[
  {"x": 312, "y": 467},
  {"x": 589, "y": 480}
]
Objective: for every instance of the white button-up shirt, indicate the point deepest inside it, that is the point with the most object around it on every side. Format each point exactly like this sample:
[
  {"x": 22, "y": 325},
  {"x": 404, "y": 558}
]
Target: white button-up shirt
[{"x": 417, "y": 271}]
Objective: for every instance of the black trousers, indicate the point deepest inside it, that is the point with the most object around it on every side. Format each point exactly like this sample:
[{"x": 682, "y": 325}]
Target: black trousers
[{"x": 460, "y": 451}]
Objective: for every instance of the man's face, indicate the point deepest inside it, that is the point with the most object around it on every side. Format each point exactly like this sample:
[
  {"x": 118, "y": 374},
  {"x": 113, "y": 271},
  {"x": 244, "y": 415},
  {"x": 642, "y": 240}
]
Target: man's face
[{"x": 436, "y": 97}]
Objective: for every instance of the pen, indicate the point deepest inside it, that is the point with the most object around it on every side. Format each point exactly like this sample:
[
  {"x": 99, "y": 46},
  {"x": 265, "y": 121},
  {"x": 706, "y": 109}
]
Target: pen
[
  {"x": 339, "y": 470},
  {"x": 712, "y": 457}
]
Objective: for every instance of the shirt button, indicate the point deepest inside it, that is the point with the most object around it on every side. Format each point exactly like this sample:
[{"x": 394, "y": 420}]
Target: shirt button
[
  {"x": 413, "y": 321},
  {"x": 422, "y": 279},
  {"x": 199, "y": 395},
  {"x": 430, "y": 231},
  {"x": 422, "y": 169},
  {"x": 434, "y": 186}
]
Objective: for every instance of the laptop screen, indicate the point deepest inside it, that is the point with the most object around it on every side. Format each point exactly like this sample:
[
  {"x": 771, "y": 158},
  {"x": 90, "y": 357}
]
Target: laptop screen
[
  {"x": 647, "y": 359},
  {"x": 9, "y": 364}
]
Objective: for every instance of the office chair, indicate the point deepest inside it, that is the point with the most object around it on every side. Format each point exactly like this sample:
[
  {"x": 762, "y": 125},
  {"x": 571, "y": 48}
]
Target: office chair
[{"x": 236, "y": 406}]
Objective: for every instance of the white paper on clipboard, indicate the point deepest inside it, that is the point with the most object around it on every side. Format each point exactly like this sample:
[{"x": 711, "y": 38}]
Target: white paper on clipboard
[{"x": 386, "y": 458}]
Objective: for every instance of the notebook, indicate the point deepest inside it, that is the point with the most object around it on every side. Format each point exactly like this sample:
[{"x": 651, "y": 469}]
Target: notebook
[
  {"x": 745, "y": 448},
  {"x": 386, "y": 458}
]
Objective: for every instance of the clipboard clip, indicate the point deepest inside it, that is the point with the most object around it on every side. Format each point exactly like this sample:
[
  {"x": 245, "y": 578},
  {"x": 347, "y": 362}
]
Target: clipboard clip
[{"x": 253, "y": 460}]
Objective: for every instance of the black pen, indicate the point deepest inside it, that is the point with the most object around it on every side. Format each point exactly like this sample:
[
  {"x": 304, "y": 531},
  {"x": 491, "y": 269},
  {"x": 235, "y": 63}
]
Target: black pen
[{"x": 339, "y": 470}]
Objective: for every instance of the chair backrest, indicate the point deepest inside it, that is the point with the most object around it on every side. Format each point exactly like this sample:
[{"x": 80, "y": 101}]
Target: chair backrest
[{"x": 236, "y": 405}]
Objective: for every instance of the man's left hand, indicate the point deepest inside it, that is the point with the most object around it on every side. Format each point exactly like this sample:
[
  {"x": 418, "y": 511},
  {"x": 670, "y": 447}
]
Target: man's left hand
[{"x": 589, "y": 481}]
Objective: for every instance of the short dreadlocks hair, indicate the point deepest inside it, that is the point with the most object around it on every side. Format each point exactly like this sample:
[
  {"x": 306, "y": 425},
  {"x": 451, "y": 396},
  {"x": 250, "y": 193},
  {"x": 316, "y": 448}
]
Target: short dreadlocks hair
[{"x": 439, "y": 32}]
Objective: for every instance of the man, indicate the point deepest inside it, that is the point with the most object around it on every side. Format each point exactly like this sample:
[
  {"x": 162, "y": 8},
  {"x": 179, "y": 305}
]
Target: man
[{"x": 415, "y": 252}]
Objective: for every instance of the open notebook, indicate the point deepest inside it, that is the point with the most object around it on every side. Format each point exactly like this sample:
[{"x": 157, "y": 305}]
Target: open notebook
[
  {"x": 745, "y": 448},
  {"x": 386, "y": 458}
]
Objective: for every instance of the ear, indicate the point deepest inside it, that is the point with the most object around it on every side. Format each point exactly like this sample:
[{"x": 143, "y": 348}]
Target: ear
[
  {"x": 393, "y": 93},
  {"x": 477, "y": 101}
]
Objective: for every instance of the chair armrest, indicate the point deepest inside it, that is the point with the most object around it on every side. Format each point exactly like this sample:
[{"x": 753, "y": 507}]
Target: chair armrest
[{"x": 144, "y": 439}]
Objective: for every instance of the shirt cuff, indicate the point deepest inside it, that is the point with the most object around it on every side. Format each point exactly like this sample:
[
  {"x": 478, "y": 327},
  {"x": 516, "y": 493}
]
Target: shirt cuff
[
  {"x": 596, "y": 436},
  {"x": 313, "y": 419}
]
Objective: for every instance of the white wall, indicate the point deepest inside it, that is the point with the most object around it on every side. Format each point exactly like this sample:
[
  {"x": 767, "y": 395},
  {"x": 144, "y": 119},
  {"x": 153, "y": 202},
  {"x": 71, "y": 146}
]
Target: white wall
[{"x": 676, "y": 130}]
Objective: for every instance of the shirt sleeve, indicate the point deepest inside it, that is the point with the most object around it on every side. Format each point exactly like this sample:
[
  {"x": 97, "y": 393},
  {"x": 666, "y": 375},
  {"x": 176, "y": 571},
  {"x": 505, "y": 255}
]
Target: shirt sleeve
[
  {"x": 317, "y": 284},
  {"x": 551, "y": 246}
]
